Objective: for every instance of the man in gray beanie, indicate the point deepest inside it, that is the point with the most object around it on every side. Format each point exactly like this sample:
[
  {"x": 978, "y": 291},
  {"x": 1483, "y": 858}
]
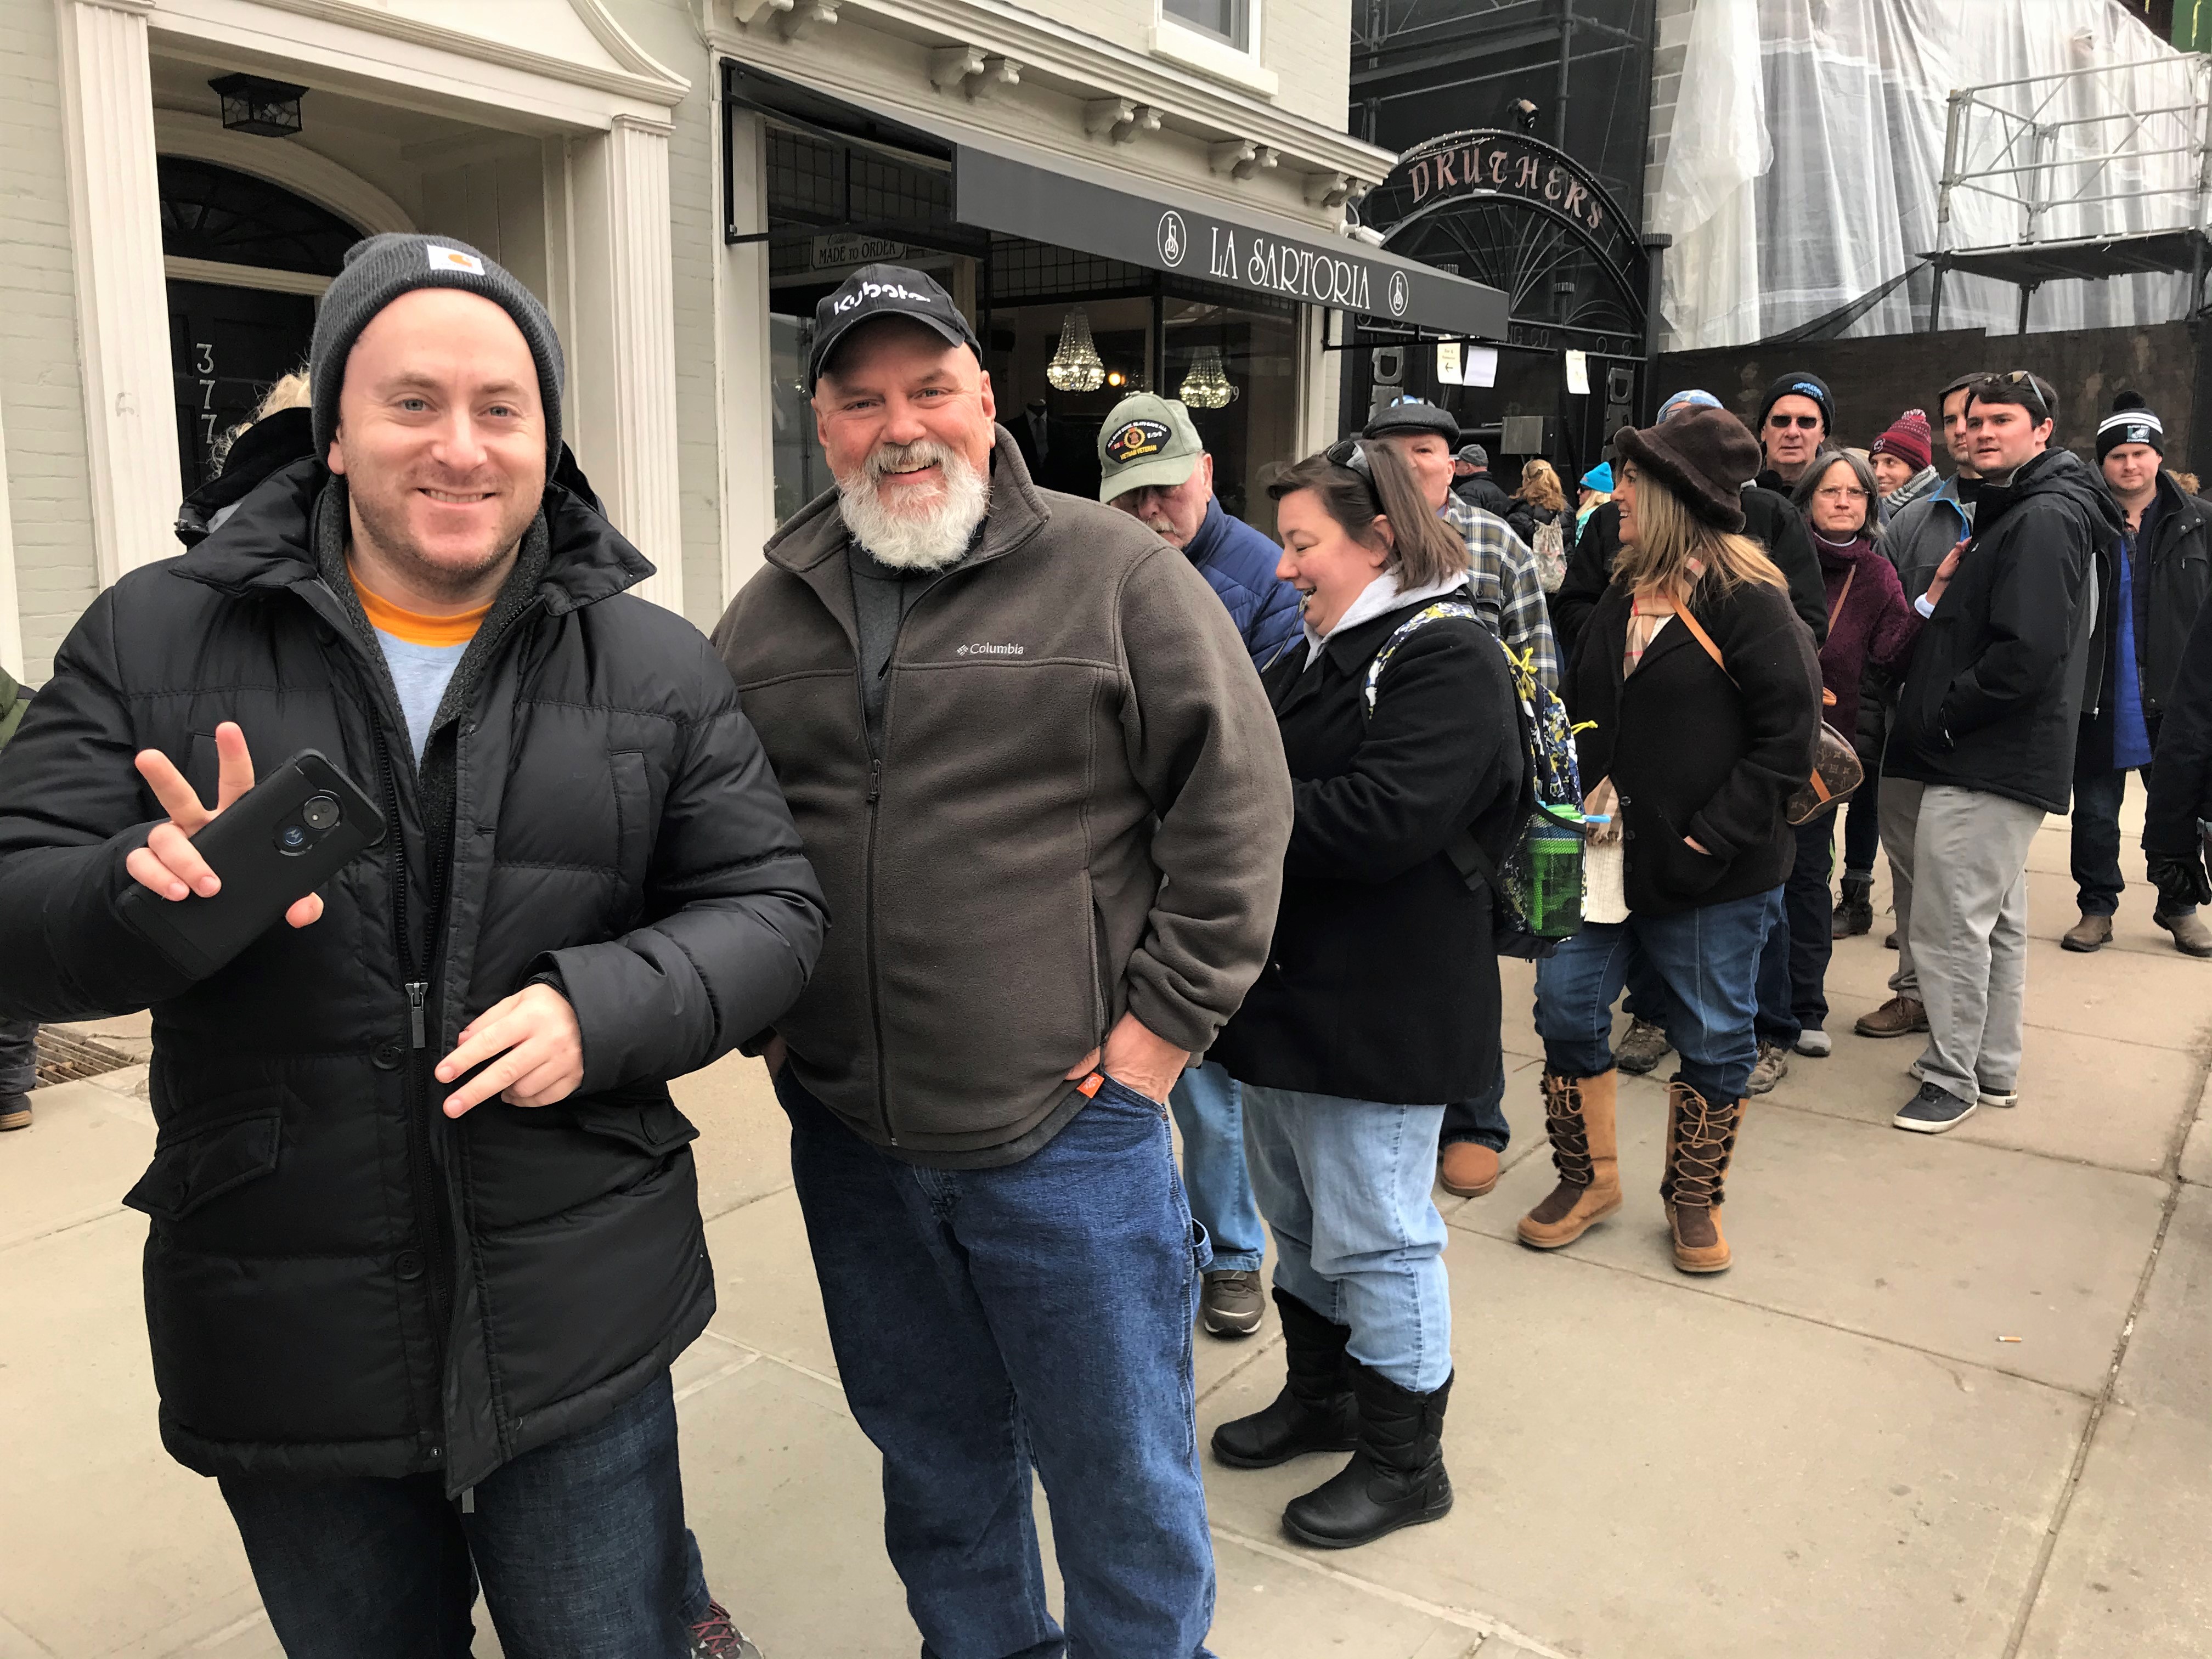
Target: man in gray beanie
[{"x": 425, "y": 1230}]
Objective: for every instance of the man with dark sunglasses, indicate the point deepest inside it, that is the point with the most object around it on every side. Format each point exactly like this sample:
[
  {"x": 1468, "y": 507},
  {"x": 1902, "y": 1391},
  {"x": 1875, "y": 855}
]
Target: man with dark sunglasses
[{"x": 1795, "y": 420}]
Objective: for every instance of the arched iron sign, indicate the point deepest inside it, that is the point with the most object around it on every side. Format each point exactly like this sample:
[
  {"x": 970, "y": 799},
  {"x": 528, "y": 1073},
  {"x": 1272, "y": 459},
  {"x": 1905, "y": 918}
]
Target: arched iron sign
[{"x": 1523, "y": 215}]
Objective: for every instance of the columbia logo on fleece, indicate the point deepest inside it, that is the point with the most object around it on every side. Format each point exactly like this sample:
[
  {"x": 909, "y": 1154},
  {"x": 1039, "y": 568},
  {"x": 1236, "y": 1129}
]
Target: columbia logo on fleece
[{"x": 979, "y": 650}]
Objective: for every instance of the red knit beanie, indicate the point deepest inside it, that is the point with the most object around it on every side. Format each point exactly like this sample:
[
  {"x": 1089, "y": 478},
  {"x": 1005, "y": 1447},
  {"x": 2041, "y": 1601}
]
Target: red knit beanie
[{"x": 1910, "y": 439}]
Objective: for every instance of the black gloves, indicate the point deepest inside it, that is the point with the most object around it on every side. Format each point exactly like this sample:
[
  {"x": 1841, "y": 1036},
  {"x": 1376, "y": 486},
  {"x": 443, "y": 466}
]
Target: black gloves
[{"x": 2181, "y": 881}]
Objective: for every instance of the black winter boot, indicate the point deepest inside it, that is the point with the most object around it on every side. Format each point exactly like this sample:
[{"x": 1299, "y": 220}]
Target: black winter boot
[
  {"x": 1315, "y": 1413},
  {"x": 1396, "y": 1477},
  {"x": 1855, "y": 913}
]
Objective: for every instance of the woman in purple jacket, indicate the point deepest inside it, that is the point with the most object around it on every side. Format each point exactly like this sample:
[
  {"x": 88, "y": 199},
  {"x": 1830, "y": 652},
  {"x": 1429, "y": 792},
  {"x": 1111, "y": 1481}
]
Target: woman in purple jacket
[{"x": 1869, "y": 621}]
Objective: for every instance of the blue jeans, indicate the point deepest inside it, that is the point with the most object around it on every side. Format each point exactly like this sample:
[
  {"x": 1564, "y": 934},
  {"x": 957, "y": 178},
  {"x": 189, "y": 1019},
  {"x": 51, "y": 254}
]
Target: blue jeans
[
  {"x": 1707, "y": 962},
  {"x": 1481, "y": 1119},
  {"x": 1037, "y": 1316},
  {"x": 1209, "y": 1109},
  {"x": 1793, "y": 963},
  {"x": 1347, "y": 1185},
  {"x": 19, "y": 1056},
  {"x": 581, "y": 1544}
]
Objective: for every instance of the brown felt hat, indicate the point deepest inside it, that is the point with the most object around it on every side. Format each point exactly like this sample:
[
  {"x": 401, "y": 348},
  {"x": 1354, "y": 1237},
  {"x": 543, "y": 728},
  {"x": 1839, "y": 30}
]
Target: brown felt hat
[{"x": 1705, "y": 456}]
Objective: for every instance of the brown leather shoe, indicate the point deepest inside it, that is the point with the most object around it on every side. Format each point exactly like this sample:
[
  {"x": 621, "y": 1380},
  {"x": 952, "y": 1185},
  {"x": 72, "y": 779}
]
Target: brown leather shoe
[
  {"x": 1898, "y": 1016},
  {"x": 1700, "y": 1141},
  {"x": 1468, "y": 1168},
  {"x": 1578, "y": 1115},
  {"x": 2090, "y": 933},
  {"x": 2191, "y": 936}
]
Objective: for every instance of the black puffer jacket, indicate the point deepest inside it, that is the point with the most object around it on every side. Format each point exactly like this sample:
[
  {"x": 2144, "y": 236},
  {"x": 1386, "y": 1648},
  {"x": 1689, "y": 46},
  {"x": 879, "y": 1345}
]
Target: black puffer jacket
[
  {"x": 1994, "y": 697},
  {"x": 340, "y": 1281}
]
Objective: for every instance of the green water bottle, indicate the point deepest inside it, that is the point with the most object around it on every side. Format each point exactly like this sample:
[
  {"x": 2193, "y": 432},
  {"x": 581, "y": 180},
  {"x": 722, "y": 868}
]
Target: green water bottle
[{"x": 1555, "y": 870}]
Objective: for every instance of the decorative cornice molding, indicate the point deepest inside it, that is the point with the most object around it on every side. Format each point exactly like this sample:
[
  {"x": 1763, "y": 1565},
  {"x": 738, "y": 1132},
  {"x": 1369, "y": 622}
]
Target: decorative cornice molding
[
  {"x": 141, "y": 7},
  {"x": 652, "y": 84}
]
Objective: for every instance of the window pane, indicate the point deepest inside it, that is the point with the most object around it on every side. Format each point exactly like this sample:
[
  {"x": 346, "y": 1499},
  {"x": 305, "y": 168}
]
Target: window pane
[{"x": 1224, "y": 19}]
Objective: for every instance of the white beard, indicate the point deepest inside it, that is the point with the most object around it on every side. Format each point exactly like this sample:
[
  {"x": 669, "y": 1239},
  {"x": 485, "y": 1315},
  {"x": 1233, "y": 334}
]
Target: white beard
[{"x": 929, "y": 539}]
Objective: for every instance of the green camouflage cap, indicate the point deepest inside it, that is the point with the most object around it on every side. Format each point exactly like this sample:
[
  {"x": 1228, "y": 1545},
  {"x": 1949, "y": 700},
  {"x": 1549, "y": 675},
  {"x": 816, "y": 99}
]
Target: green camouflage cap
[{"x": 1148, "y": 442}]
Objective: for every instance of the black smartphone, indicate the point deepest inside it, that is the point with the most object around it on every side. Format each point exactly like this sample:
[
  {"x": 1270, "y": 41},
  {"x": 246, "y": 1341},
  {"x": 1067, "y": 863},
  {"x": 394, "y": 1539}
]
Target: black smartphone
[{"x": 275, "y": 844}]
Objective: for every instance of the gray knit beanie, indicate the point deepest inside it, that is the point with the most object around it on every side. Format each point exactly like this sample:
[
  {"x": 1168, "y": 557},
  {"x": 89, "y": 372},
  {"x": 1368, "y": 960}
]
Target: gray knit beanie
[{"x": 378, "y": 271}]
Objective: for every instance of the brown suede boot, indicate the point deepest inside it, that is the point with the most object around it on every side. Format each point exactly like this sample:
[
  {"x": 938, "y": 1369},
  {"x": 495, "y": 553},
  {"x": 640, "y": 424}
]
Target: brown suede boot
[
  {"x": 1578, "y": 1115},
  {"x": 1701, "y": 1140}
]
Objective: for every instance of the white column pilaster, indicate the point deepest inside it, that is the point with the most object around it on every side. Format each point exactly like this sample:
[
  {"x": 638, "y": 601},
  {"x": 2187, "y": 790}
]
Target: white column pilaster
[
  {"x": 744, "y": 369},
  {"x": 623, "y": 397},
  {"x": 11, "y": 615},
  {"x": 1320, "y": 384},
  {"x": 122, "y": 296}
]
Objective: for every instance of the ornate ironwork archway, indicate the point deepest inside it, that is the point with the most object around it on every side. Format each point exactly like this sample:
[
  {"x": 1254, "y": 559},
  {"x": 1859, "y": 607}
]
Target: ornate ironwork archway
[{"x": 1523, "y": 215}]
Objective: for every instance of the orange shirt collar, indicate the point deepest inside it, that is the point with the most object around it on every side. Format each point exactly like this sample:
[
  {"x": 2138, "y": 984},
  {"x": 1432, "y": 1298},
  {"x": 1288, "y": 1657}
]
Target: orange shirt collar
[{"x": 413, "y": 626}]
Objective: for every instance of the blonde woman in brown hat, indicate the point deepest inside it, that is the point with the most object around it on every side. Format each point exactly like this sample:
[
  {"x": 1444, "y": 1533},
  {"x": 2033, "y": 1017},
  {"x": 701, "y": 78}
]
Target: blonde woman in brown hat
[{"x": 1697, "y": 698}]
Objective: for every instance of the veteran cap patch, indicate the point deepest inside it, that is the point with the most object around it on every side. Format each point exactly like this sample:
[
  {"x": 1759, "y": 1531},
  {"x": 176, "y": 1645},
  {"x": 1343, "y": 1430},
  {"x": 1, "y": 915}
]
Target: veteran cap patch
[{"x": 1148, "y": 442}]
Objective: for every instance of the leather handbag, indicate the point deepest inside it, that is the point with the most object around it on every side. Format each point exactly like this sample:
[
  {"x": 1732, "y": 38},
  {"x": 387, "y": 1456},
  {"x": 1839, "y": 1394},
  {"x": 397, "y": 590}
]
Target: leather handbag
[{"x": 1837, "y": 768}]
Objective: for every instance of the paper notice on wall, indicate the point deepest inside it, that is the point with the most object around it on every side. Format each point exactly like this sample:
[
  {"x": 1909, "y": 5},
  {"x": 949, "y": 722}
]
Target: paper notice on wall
[
  {"x": 1578, "y": 374},
  {"x": 1479, "y": 366},
  {"x": 1447, "y": 364}
]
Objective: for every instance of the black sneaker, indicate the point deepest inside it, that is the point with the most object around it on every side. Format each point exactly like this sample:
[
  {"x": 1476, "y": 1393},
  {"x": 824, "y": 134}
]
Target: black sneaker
[
  {"x": 1230, "y": 1303},
  {"x": 1933, "y": 1110},
  {"x": 14, "y": 1111},
  {"x": 715, "y": 1638}
]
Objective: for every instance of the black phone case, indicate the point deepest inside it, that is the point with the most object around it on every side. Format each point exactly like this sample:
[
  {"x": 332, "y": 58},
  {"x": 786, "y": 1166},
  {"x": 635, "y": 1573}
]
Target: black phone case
[{"x": 260, "y": 879}]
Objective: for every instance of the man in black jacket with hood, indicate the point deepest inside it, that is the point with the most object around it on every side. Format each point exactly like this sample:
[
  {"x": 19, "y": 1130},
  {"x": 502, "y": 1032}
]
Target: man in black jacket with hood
[
  {"x": 1984, "y": 744},
  {"x": 425, "y": 1229}
]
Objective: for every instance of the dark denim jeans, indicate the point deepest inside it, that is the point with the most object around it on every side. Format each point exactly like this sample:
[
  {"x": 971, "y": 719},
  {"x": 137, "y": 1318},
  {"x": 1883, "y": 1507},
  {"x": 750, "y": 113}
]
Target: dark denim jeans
[
  {"x": 1038, "y": 1316},
  {"x": 19, "y": 1056},
  {"x": 2098, "y": 792},
  {"x": 1862, "y": 815},
  {"x": 581, "y": 1544},
  {"x": 1793, "y": 964},
  {"x": 1707, "y": 962},
  {"x": 1481, "y": 1119}
]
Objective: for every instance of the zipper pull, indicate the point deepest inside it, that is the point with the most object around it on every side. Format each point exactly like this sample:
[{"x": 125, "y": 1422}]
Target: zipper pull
[
  {"x": 875, "y": 780},
  {"x": 416, "y": 990}
]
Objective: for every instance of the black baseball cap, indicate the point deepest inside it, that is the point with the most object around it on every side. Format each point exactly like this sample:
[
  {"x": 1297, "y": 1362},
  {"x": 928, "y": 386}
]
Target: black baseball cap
[{"x": 874, "y": 291}]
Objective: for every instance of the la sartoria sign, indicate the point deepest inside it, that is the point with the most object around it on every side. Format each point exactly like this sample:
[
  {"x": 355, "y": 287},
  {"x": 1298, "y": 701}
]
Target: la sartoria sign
[{"x": 1254, "y": 260}]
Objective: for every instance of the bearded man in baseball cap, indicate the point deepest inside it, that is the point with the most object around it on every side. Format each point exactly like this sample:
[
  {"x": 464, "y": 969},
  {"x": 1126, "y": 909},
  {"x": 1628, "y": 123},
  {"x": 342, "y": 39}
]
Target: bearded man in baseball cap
[{"x": 425, "y": 1230}]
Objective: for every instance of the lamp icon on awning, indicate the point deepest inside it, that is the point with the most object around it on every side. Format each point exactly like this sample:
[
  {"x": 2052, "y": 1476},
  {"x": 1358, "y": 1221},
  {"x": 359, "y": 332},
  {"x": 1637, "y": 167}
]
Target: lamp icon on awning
[{"x": 1175, "y": 239}]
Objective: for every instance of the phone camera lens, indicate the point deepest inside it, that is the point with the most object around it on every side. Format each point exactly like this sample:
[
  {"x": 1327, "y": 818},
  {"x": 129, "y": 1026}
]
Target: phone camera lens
[
  {"x": 320, "y": 811},
  {"x": 293, "y": 838}
]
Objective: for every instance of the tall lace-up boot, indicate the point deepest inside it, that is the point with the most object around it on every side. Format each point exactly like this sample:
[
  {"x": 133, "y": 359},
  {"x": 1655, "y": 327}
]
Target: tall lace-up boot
[
  {"x": 1316, "y": 1411},
  {"x": 1701, "y": 1140},
  {"x": 1578, "y": 1115}
]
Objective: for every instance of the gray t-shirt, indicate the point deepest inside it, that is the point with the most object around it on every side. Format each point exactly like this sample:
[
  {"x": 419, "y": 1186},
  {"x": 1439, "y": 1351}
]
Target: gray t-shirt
[{"x": 420, "y": 673}]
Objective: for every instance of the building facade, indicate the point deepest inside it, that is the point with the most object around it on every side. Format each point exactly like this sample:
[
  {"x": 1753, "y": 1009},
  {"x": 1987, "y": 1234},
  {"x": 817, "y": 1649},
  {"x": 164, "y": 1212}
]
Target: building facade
[{"x": 1153, "y": 191}]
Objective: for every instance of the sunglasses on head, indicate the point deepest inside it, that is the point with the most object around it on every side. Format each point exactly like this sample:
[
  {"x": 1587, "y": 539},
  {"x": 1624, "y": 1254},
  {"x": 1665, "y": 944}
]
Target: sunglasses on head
[
  {"x": 1349, "y": 454},
  {"x": 1783, "y": 422}
]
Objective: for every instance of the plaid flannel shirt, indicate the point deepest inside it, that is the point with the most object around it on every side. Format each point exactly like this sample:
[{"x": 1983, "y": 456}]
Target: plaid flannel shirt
[{"x": 1506, "y": 589}]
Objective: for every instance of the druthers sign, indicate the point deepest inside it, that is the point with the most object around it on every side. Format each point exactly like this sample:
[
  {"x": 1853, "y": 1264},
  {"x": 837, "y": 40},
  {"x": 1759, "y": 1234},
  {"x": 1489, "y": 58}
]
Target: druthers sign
[
  {"x": 1211, "y": 243},
  {"x": 1502, "y": 167}
]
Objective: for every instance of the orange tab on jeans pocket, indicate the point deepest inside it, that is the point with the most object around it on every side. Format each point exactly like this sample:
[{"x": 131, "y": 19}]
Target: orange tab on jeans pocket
[{"x": 1089, "y": 1086}]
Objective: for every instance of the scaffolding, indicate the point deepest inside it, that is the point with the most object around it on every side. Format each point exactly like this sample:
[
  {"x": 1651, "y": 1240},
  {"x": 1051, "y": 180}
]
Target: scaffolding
[{"x": 2087, "y": 174}]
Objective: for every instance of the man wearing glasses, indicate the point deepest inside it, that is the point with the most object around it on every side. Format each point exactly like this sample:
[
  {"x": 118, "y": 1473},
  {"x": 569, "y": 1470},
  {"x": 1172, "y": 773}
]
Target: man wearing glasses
[{"x": 1794, "y": 423}]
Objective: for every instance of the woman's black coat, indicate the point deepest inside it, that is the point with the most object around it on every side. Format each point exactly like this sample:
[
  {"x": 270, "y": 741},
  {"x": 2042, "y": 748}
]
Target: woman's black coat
[
  {"x": 340, "y": 1280},
  {"x": 1382, "y": 983},
  {"x": 1692, "y": 752}
]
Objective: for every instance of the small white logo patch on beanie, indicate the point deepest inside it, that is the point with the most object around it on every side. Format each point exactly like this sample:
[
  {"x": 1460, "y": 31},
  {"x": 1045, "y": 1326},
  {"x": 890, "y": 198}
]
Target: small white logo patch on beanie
[{"x": 451, "y": 258}]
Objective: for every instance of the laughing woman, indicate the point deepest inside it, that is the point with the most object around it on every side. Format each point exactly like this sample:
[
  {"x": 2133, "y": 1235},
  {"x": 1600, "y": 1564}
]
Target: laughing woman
[{"x": 1380, "y": 1000}]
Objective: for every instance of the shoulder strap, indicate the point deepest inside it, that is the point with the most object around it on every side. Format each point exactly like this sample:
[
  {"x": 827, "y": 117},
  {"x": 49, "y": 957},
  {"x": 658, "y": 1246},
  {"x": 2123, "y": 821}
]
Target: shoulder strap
[
  {"x": 1683, "y": 615},
  {"x": 1405, "y": 630},
  {"x": 1850, "y": 576}
]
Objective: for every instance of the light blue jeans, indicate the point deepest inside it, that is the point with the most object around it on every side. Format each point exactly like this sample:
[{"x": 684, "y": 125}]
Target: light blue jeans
[
  {"x": 1346, "y": 1184},
  {"x": 1209, "y": 1109}
]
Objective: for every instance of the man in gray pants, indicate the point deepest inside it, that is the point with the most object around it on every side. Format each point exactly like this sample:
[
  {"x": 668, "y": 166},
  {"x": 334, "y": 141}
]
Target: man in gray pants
[{"x": 1985, "y": 730}]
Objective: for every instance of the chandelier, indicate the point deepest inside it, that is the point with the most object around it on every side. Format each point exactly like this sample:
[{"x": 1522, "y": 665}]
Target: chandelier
[
  {"x": 1075, "y": 365},
  {"x": 1206, "y": 383}
]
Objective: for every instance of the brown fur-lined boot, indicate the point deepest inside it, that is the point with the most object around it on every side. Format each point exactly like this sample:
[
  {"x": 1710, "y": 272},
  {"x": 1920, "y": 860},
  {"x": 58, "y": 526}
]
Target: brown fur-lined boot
[
  {"x": 1701, "y": 1140},
  {"x": 1578, "y": 1116}
]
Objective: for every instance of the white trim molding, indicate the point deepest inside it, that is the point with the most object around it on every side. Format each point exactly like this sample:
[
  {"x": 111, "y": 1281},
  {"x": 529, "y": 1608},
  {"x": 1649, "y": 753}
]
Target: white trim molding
[
  {"x": 11, "y": 615},
  {"x": 122, "y": 310},
  {"x": 302, "y": 171},
  {"x": 178, "y": 269},
  {"x": 624, "y": 395},
  {"x": 1208, "y": 54}
]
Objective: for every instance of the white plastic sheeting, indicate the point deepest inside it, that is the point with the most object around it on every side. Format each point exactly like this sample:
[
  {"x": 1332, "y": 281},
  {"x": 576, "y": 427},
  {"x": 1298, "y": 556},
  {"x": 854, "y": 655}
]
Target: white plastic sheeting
[{"x": 1807, "y": 147}]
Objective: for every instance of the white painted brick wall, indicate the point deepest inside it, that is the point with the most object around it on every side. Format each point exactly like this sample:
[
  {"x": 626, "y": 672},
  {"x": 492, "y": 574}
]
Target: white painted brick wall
[
  {"x": 50, "y": 493},
  {"x": 1307, "y": 43}
]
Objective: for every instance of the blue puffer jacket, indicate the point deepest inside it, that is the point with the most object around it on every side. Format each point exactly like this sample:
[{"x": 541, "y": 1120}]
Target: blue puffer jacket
[{"x": 1239, "y": 562}]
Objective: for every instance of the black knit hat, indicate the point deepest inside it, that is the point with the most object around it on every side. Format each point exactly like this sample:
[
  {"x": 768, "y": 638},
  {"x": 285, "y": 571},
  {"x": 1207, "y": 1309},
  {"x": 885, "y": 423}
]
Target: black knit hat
[
  {"x": 2131, "y": 423},
  {"x": 1703, "y": 456},
  {"x": 1799, "y": 383},
  {"x": 1410, "y": 415},
  {"x": 379, "y": 271}
]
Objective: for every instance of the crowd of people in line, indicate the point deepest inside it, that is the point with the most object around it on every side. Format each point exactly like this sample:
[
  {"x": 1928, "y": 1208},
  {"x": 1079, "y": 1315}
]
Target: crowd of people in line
[{"x": 1009, "y": 828}]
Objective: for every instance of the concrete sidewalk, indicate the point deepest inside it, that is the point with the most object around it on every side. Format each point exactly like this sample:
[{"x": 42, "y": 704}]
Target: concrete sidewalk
[{"x": 1956, "y": 1399}]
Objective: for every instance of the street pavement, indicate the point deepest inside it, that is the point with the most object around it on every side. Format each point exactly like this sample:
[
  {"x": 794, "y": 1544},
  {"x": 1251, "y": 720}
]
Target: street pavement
[{"x": 1955, "y": 1398}]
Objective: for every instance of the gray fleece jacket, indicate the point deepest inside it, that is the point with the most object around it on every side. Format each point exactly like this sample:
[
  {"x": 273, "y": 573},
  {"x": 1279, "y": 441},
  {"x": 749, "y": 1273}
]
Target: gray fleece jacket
[{"x": 1077, "y": 806}]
